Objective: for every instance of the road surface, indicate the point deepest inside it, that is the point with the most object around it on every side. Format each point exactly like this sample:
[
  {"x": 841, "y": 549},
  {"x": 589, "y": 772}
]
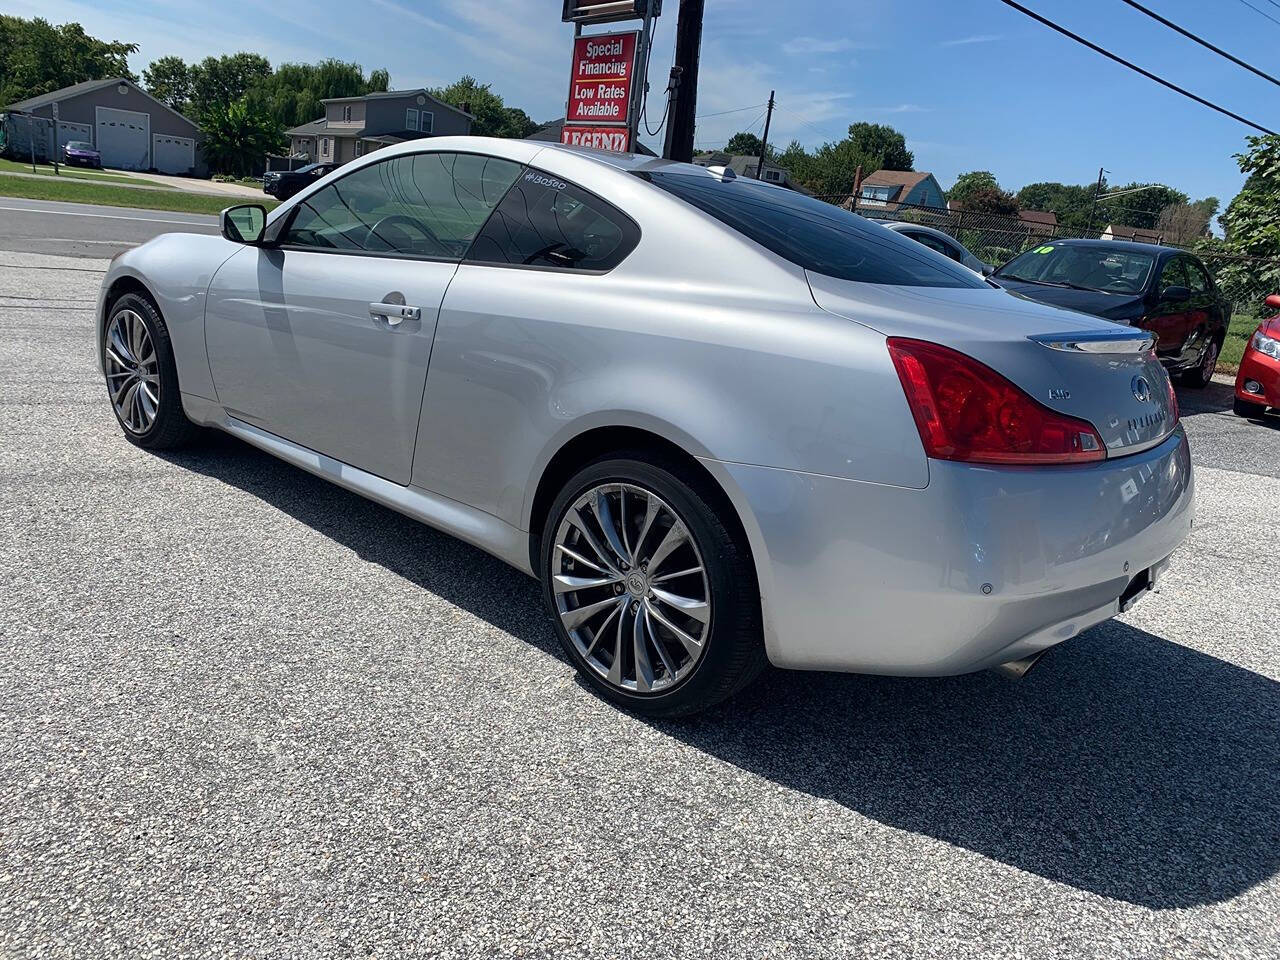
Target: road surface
[{"x": 85, "y": 230}]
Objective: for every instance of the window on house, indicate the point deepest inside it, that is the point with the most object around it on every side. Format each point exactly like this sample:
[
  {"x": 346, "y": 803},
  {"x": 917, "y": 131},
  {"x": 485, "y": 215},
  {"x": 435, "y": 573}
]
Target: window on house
[
  {"x": 410, "y": 119},
  {"x": 325, "y": 147},
  {"x": 359, "y": 148},
  {"x": 427, "y": 121},
  {"x": 877, "y": 193},
  {"x": 346, "y": 113},
  {"x": 772, "y": 175}
]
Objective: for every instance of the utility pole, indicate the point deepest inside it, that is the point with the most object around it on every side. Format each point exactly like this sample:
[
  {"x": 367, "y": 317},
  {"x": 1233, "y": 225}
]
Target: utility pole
[
  {"x": 679, "y": 144},
  {"x": 764, "y": 141},
  {"x": 1097, "y": 191}
]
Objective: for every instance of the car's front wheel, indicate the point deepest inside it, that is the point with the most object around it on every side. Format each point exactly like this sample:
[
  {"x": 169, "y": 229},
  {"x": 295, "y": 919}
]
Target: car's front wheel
[
  {"x": 1243, "y": 408},
  {"x": 142, "y": 378},
  {"x": 1201, "y": 376},
  {"x": 654, "y": 595}
]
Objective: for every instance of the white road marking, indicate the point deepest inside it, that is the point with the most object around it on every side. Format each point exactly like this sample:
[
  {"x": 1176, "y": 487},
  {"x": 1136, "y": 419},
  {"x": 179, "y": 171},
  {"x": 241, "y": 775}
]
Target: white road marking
[{"x": 106, "y": 216}]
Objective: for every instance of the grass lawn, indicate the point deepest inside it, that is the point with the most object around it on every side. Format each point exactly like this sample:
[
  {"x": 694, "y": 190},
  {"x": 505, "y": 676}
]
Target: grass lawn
[
  {"x": 75, "y": 173},
  {"x": 1238, "y": 334},
  {"x": 79, "y": 191}
]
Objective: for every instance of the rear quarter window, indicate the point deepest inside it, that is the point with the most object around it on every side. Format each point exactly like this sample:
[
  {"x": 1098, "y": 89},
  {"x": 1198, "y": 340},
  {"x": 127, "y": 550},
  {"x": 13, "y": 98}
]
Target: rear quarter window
[{"x": 815, "y": 235}]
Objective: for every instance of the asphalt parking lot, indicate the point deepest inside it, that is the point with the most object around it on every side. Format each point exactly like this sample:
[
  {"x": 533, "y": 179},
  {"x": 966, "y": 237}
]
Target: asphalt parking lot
[{"x": 245, "y": 713}]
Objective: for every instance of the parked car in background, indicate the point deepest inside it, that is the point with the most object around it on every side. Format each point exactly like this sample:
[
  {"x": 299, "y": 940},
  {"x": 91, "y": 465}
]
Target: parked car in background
[
  {"x": 945, "y": 244},
  {"x": 283, "y": 184},
  {"x": 722, "y": 422},
  {"x": 1161, "y": 289},
  {"x": 80, "y": 153},
  {"x": 1258, "y": 382}
]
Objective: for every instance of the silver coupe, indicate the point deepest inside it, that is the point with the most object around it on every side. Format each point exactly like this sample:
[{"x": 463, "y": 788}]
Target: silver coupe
[{"x": 723, "y": 423}]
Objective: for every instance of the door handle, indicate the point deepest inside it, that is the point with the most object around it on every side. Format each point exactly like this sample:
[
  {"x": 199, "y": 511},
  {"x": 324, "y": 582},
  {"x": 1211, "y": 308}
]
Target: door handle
[{"x": 395, "y": 313}]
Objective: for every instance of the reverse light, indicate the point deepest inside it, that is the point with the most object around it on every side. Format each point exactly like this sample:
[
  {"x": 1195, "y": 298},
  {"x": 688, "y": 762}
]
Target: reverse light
[{"x": 966, "y": 411}]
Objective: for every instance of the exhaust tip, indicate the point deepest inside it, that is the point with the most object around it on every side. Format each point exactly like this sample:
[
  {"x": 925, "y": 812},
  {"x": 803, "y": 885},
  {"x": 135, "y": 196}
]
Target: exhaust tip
[{"x": 1017, "y": 669}]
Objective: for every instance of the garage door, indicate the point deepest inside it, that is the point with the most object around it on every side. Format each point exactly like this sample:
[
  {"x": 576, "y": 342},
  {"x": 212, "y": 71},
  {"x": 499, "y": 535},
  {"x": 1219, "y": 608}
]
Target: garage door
[
  {"x": 172, "y": 154},
  {"x": 68, "y": 131},
  {"x": 124, "y": 138}
]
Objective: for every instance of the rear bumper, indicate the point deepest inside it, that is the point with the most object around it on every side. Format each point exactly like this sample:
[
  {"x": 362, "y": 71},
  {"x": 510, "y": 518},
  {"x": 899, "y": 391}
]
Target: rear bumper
[
  {"x": 1263, "y": 370},
  {"x": 984, "y": 565}
]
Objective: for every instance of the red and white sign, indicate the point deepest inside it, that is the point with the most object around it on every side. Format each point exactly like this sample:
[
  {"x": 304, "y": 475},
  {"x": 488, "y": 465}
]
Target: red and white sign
[
  {"x": 600, "y": 82},
  {"x": 598, "y": 138}
]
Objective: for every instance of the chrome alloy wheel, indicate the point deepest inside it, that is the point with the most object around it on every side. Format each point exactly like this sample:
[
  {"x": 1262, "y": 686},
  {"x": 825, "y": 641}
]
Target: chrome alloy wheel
[
  {"x": 133, "y": 372},
  {"x": 631, "y": 588}
]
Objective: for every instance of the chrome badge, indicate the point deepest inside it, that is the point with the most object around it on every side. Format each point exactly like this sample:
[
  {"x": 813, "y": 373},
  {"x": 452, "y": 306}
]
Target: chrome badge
[
  {"x": 1059, "y": 393},
  {"x": 1141, "y": 389}
]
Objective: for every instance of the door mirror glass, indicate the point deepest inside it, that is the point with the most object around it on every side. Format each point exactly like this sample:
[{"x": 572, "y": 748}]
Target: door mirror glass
[
  {"x": 245, "y": 223},
  {"x": 988, "y": 269},
  {"x": 1176, "y": 294},
  {"x": 1273, "y": 301}
]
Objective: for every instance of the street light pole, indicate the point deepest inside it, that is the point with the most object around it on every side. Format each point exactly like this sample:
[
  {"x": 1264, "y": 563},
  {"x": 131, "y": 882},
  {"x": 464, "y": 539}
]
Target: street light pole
[{"x": 679, "y": 144}]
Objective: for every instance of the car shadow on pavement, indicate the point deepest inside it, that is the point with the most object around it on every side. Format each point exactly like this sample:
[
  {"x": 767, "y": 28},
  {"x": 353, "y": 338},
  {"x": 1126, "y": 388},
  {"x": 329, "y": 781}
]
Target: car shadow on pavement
[
  {"x": 1124, "y": 765},
  {"x": 1215, "y": 397}
]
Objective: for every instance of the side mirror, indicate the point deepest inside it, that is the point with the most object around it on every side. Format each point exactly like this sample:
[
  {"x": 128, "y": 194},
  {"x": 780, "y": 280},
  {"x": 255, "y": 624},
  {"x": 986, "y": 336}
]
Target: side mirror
[
  {"x": 1175, "y": 294},
  {"x": 988, "y": 269},
  {"x": 245, "y": 223},
  {"x": 1273, "y": 301}
]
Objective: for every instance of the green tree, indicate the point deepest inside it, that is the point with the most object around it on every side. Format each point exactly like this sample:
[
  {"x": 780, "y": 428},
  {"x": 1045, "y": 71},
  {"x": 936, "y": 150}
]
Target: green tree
[
  {"x": 292, "y": 94},
  {"x": 883, "y": 147},
  {"x": 745, "y": 142},
  {"x": 967, "y": 183},
  {"x": 992, "y": 200},
  {"x": 1070, "y": 204},
  {"x": 169, "y": 81},
  {"x": 1141, "y": 209},
  {"x": 37, "y": 57},
  {"x": 1252, "y": 227},
  {"x": 218, "y": 82},
  {"x": 237, "y": 136},
  {"x": 493, "y": 118},
  {"x": 1185, "y": 223}
]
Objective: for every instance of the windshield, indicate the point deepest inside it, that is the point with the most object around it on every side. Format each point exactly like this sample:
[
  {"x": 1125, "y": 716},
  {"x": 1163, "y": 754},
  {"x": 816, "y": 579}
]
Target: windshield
[
  {"x": 79, "y": 145},
  {"x": 815, "y": 235},
  {"x": 310, "y": 167},
  {"x": 1089, "y": 267}
]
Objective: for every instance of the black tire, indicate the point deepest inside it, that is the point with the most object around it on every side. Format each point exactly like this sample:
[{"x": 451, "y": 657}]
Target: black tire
[
  {"x": 1243, "y": 408},
  {"x": 733, "y": 649},
  {"x": 170, "y": 429},
  {"x": 1202, "y": 375}
]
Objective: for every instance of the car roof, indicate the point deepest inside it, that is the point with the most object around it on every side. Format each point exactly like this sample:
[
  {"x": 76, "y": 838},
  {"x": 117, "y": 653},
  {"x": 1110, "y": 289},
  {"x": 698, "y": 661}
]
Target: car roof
[
  {"x": 1129, "y": 246},
  {"x": 900, "y": 225}
]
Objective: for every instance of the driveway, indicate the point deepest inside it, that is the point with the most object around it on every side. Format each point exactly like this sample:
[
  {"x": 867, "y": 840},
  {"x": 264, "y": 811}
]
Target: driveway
[
  {"x": 193, "y": 185},
  {"x": 246, "y": 713}
]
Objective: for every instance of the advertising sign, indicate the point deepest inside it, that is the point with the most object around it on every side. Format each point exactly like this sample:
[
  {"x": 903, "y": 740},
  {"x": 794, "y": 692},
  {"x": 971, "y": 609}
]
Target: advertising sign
[
  {"x": 608, "y": 11},
  {"x": 600, "y": 84},
  {"x": 598, "y": 138}
]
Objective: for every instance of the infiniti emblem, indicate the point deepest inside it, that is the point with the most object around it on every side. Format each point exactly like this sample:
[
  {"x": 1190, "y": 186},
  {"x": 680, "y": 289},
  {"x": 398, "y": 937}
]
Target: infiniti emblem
[{"x": 1141, "y": 389}]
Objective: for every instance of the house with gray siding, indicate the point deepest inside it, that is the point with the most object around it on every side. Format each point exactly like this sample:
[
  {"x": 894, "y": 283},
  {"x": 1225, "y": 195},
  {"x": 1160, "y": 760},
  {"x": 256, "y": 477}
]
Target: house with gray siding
[
  {"x": 888, "y": 188},
  {"x": 354, "y": 126},
  {"x": 128, "y": 126}
]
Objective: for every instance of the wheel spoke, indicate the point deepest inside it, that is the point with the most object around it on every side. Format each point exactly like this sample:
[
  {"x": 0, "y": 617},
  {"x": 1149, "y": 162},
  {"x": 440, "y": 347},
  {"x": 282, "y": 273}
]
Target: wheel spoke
[
  {"x": 615, "y": 668},
  {"x": 115, "y": 357},
  {"x": 700, "y": 610},
  {"x": 575, "y": 517},
  {"x": 650, "y": 514},
  {"x": 675, "y": 536},
  {"x": 565, "y": 583},
  {"x": 579, "y": 558},
  {"x": 117, "y": 338},
  {"x": 600, "y": 631},
  {"x": 679, "y": 573},
  {"x": 644, "y": 669},
  {"x": 118, "y": 396},
  {"x": 657, "y": 645},
  {"x": 604, "y": 514},
  {"x": 690, "y": 644},
  {"x": 576, "y": 617}
]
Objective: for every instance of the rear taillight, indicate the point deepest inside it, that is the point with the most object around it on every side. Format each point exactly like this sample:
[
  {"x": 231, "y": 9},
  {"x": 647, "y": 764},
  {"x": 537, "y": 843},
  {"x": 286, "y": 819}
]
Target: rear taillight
[{"x": 966, "y": 411}]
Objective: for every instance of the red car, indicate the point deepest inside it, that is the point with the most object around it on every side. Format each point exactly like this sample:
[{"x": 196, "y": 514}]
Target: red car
[{"x": 1258, "y": 382}]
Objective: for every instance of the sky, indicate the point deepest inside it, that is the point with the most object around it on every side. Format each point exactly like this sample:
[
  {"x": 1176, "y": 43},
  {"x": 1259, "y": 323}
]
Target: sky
[{"x": 973, "y": 84}]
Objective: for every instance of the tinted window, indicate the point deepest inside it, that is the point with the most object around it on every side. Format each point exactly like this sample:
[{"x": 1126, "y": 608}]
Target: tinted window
[
  {"x": 547, "y": 222},
  {"x": 815, "y": 235},
  {"x": 933, "y": 243},
  {"x": 1174, "y": 274},
  {"x": 1098, "y": 267},
  {"x": 1198, "y": 280},
  {"x": 418, "y": 205}
]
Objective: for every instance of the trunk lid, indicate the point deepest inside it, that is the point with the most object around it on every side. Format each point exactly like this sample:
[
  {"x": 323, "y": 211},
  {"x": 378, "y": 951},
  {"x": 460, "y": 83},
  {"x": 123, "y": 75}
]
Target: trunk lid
[{"x": 1083, "y": 367}]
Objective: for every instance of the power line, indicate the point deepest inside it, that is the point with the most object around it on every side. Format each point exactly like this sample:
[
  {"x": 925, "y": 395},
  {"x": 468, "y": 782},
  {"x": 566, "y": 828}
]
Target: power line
[
  {"x": 1262, "y": 13},
  {"x": 1133, "y": 66},
  {"x": 754, "y": 106},
  {"x": 1204, "y": 43}
]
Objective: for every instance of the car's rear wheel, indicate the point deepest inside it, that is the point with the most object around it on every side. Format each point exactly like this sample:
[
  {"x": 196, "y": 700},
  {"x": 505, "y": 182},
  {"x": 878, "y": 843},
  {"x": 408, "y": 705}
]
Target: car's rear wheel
[
  {"x": 1200, "y": 377},
  {"x": 142, "y": 378},
  {"x": 1243, "y": 408},
  {"x": 654, "y": 596}
]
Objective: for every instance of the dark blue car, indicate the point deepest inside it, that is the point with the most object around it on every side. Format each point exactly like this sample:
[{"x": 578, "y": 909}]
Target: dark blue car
[{"x": 1161, "y": 289}]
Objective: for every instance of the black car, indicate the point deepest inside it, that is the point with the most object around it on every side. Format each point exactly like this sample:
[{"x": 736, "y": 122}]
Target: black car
[
  {"x": 283, "y": 184},
  {"x": 1161, "y": 289}
]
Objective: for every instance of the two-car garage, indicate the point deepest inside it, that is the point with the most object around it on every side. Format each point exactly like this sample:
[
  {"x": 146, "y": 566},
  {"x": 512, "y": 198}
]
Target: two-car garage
[{"x": 131, "y": 129}]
